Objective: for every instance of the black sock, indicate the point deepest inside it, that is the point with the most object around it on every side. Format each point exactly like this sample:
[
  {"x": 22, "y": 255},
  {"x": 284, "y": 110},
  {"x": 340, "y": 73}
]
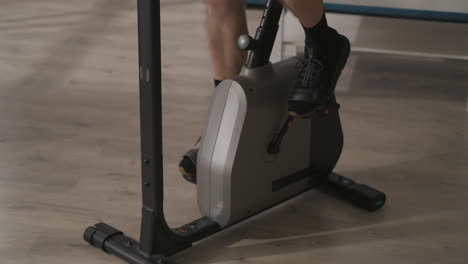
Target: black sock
[
  {"x": 316, "y": 35},
  {"x": 216, "y": 82}
]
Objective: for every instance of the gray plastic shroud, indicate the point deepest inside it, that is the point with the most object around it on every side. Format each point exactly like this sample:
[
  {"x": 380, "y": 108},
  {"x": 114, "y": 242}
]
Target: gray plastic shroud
[{"x": 234, "y": 170}]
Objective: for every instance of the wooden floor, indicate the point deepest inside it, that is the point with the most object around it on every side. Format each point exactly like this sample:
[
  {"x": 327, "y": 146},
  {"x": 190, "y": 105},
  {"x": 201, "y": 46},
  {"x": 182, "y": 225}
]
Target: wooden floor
[{"x": 69, "y": 146}]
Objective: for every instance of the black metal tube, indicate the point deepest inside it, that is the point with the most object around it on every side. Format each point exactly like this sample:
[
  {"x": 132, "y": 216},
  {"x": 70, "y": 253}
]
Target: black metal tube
[
  {"x": 265, "y": 35},
  {"x": 114, "y": 241},
  {"x": 156, "y": 237},
  {"x": 360, "y": 195},
  {"x": 149, "y": 51}
]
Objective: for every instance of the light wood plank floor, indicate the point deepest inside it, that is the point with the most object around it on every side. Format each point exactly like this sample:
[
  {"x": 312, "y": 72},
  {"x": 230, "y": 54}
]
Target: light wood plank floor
[{"x": 69, "y": 146}]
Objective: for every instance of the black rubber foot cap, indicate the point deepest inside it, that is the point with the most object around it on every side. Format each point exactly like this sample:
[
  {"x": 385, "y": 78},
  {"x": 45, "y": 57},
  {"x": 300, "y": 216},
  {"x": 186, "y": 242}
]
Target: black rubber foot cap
[{"x": 88, "y": 233}]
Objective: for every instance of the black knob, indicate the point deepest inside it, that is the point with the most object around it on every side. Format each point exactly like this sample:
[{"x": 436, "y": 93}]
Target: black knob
[{"x": 246, "y": 42}]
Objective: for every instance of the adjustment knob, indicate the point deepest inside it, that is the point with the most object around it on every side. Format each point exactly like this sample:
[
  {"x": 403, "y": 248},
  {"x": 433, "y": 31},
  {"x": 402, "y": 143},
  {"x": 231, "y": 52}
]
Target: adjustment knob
[{"x": 246, "y": 42}]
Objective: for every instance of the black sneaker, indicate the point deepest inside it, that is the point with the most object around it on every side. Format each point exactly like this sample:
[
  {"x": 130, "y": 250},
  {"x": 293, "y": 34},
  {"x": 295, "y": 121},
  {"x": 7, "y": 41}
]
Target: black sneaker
[
  {"x": 188, "y": 166},
  {"x": 318, "y": 76}
]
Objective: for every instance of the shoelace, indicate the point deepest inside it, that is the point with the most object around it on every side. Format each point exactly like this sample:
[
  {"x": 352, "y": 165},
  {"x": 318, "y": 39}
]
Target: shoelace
[{"x": 310, "y": 70}]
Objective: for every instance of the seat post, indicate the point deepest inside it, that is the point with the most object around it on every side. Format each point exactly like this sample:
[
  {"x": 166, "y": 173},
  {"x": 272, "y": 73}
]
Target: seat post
[{"x": 265, "y": 35}]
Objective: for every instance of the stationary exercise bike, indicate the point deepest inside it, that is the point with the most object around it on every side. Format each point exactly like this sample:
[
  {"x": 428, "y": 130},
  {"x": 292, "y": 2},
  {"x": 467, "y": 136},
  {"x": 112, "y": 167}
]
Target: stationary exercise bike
[{"x": 252, "y": 155}]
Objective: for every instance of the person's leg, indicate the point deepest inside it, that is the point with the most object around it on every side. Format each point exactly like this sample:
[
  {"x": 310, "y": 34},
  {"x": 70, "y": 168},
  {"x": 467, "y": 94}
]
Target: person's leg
[
  {"x": 226, "y": 22},
  {"x": 309, "y": 12},
  {"x": 326, "y": 53}
]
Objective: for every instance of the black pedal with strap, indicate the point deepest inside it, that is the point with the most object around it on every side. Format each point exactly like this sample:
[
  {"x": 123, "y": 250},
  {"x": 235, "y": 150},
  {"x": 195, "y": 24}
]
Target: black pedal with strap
[{"x": 325, "y": 110}]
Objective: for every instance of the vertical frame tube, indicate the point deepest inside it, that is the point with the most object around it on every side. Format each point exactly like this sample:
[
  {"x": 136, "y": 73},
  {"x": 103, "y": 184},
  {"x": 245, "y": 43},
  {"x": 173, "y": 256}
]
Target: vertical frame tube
[
  {"x": 149, "y": 53},
  {"x": 265, "y": 35}
]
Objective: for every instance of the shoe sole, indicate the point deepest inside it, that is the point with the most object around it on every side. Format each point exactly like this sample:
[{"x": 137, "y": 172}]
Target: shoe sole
[
  {"x": 296, "y": 115},
  {"x": 185, "y": 173},
  {"x": 187, "y": 176},
  {"x": 339, "y": 69}
]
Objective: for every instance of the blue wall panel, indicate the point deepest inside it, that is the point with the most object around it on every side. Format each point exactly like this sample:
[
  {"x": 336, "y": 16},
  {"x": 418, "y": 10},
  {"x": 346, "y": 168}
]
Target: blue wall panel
[{"x": 388, "y": 12}]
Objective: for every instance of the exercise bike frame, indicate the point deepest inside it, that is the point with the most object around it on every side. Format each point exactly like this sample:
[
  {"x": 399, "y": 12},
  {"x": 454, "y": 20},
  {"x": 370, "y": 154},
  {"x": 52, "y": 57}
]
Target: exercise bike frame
[{"x": 157, "y": 239}]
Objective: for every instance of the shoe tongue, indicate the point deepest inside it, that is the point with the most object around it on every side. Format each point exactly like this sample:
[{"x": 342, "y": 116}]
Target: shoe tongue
[
  {"x": 314, "y": 53},
  {"x": 309, "y": 52}
]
